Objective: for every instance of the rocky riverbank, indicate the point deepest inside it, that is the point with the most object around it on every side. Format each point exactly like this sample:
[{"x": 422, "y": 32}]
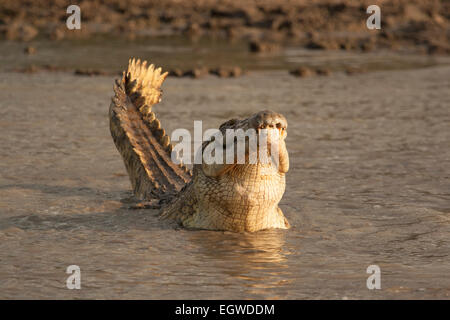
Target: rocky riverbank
[{"x": 319, "y": 24}]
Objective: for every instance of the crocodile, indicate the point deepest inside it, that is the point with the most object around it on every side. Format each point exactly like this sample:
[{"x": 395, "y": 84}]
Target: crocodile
[{"x": 236, "y": 196}]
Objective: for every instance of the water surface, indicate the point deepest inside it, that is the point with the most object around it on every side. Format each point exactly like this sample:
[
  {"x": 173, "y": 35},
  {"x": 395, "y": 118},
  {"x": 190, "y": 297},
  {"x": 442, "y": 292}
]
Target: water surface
[
  {"x": 369, "y": 183},
  {"x": 111, "y": 55}
]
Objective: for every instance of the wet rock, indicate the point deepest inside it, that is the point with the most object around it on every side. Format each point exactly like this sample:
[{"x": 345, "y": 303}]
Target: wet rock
[
  {"x": 367, "y": 45},
  {"x": 438, "y": 48},
  {"x": 323, "y": 71},
  {"x": 263, "y": 47},
  {"x": 315, "y": 45},
  {"x": 176, "y": 73},
  {"x": 315, "y": 42},
  {"x": 57, "y": 34},
  {"x": 29, "y": 50},
  {"x": 303, "y": 72},
  {"x": 236, "y": 72},
  {"x": 226, "y": 12},
  {"x": 196, "y": 73},
  {"x": 387, "y": 34},
  {"x": 89, "y": 72},
  {"x": 347, "y": 44},
  {"x": 221, "y": 72},
  {"x": 225, "y": 72},
  {"x": 35, "y": 68}
]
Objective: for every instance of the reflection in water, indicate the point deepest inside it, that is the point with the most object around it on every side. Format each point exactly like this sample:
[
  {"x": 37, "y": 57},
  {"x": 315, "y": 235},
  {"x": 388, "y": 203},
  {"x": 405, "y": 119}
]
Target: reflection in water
[
  {"x": 258, "y": 260},
  {"x": 109, "y": 54}
]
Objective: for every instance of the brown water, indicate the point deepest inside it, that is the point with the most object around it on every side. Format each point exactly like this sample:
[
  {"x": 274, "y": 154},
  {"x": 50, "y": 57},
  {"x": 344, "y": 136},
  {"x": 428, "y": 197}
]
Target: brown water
[
  {"x": 369, "y": 184},
  {"x": 112, "y": 54}
]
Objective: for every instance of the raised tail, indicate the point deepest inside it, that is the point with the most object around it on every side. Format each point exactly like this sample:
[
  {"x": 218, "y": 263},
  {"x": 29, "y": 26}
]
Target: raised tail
[{"x": 138, "y": 135}]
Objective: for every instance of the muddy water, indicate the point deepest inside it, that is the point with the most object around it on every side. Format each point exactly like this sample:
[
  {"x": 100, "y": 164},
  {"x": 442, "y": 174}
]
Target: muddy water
[
  {"x": 369, "y": 184},
  {"x": 112, "y": 54}
]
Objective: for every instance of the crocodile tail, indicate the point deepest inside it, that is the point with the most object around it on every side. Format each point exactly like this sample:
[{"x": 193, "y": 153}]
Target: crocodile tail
[{"x": 139, "y": 137}]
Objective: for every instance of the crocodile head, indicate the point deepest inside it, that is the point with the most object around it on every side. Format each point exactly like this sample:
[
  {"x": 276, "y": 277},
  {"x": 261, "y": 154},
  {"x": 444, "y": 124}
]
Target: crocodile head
[
  {"x": 243, "y": 196},
  {"x": 257, "y": 140},
  {"x": 271, "y": 129}
]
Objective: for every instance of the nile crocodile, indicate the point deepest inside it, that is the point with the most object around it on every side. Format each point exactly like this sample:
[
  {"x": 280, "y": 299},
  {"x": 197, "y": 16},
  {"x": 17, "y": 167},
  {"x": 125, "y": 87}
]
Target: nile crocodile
[{"x": 235, "y": 197}]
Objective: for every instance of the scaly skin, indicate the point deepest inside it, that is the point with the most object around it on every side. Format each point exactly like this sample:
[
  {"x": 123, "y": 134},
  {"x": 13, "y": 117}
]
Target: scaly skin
[{"x": 234, "y": 197}]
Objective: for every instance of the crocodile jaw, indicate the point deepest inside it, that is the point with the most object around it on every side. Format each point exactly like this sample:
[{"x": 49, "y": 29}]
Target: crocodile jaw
[{"x": 244, "y": 199}]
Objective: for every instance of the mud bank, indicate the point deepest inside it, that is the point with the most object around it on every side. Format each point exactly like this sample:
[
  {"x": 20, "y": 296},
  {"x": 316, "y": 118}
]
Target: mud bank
[{"x": 319, "y": 24}]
